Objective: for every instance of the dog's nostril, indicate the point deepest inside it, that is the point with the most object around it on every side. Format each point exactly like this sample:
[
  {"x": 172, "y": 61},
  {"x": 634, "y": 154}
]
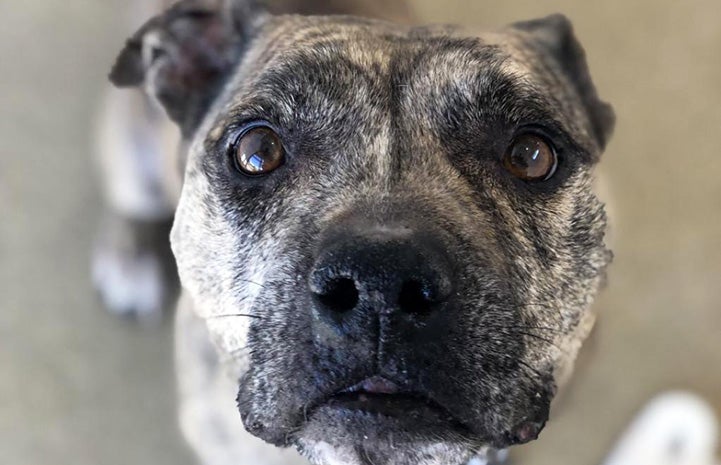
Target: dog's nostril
[
  {"x": 414, "y": 297},
  {"x": 340, "y": 295}
]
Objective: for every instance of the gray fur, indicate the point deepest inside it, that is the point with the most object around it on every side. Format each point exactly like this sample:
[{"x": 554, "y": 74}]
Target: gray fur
[{"x": 388, "y": 129}]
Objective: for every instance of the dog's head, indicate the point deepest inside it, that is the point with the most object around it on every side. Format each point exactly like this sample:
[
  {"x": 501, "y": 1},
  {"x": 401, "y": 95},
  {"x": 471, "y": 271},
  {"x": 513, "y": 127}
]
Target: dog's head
[{"x": 392, "y": 230}]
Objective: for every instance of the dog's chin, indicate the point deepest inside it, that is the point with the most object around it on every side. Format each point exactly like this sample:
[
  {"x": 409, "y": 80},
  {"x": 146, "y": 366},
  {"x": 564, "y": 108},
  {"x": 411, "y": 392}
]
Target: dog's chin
[{"x": 359, "y": 428}]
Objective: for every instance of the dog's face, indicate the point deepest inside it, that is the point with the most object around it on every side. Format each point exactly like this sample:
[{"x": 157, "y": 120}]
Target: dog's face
[{"x": 392, "y": 231}]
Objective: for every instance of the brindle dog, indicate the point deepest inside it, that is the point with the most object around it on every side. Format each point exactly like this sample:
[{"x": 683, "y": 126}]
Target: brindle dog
[{"x": 387, "y": 236}]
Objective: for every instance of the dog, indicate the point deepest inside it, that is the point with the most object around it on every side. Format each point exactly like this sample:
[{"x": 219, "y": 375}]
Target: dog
[{"x": 387, "y": 235}]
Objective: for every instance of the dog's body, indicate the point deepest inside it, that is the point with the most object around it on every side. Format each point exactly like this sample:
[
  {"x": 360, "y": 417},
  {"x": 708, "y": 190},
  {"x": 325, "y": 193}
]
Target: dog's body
[{"x": 387, "y": 273}]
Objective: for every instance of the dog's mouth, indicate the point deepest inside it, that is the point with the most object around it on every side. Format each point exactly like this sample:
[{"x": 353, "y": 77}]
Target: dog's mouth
[
  {"x": 378, "y": 395},
  {"x": 381, "y": 412}
]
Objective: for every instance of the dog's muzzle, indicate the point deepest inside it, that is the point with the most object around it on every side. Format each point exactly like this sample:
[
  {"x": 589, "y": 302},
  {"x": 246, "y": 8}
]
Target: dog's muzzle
[
  {"x": 393, "y": 347},
  {"x": 372, "y": 291}
]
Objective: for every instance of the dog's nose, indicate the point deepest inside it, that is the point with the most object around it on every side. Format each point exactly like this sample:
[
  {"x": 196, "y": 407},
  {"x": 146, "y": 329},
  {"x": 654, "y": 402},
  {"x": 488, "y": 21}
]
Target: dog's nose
[{"x": 380, "y": 273}]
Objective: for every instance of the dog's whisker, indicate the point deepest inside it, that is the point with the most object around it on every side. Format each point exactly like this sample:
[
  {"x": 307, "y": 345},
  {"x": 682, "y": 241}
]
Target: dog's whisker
[
  {"x": 368, "y": 459},
  {"x": 237, "y": 351},
  {"x": 234, "y": 315},
  {"x": 525, "y": 327},
  {"x": 305, "y": 411},
  {"x": 540, "y": 338},
  {"x": 248, "y": 281},
  {"x": 540, "y": 306},
  {"x": 545, "y": 306},
  {"x": 530, "y": 333},
  {"x": 533, "y": 370},
  {"x": 537, "y": 378}
]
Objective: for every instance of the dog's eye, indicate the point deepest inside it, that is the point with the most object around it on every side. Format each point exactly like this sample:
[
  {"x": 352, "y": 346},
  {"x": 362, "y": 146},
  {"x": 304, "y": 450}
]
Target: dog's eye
[
  {"x": 258, "y": 150},
  {"x": 531, "y": 158}
]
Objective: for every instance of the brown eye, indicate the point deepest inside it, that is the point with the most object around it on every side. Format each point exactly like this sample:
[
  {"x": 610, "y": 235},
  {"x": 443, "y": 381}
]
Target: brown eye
[
  {"x": 530, "y": 158},
  {"x": 259, "y": 151}
]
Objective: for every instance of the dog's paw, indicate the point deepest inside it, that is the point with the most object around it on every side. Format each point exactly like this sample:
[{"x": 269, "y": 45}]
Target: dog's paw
[
  {"x": 676, "y": 428},
  {"x": 490, "y": 457},
  {"x": 131, "y": 287},
  {"x": 132, "y": 273}
]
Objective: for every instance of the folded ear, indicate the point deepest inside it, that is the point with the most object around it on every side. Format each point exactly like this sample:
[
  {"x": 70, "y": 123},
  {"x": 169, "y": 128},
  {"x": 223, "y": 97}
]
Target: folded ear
[
  {"x": 554, "y": 36},
  {"x": 183, "y": 56}
]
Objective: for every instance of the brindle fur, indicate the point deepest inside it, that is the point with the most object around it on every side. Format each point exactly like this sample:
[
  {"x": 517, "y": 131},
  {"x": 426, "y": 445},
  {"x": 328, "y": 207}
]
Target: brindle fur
[{"x": 395, "y": 130}]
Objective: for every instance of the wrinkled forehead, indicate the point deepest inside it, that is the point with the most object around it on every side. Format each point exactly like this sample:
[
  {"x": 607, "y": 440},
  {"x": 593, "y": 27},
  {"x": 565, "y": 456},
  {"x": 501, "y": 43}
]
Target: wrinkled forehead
[{"x": 336, "y": 73}]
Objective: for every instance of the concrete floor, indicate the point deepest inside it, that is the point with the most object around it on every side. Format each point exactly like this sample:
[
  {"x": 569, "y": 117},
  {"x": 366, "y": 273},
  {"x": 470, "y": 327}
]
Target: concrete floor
[{"x": 77, "y": 386}]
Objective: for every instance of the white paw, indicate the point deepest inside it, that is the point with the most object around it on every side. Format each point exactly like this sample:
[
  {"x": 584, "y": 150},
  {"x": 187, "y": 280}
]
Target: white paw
[
  {"x": 677, "y": 428},
  {"x": 130, "y": 285},
  {"x": 490, "y": 457}
]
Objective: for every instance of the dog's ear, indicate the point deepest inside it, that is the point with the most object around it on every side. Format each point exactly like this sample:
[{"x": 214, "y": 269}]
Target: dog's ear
[
  {"x": 183, "y": 56},
  {"x": 554, "y": 36}
]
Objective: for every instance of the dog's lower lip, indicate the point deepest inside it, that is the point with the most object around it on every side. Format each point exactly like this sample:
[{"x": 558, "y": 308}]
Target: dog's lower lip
[
  {"x": 377, "y": 402},
  {"x": 379, "y": 395}
]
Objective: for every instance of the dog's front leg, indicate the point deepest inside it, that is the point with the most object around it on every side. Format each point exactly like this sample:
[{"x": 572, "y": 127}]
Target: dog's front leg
[{"x": 133, "y": 269}]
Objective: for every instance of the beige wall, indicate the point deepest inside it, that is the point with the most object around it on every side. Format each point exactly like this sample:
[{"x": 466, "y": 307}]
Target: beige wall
[{"x": 78, "y": 387}]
